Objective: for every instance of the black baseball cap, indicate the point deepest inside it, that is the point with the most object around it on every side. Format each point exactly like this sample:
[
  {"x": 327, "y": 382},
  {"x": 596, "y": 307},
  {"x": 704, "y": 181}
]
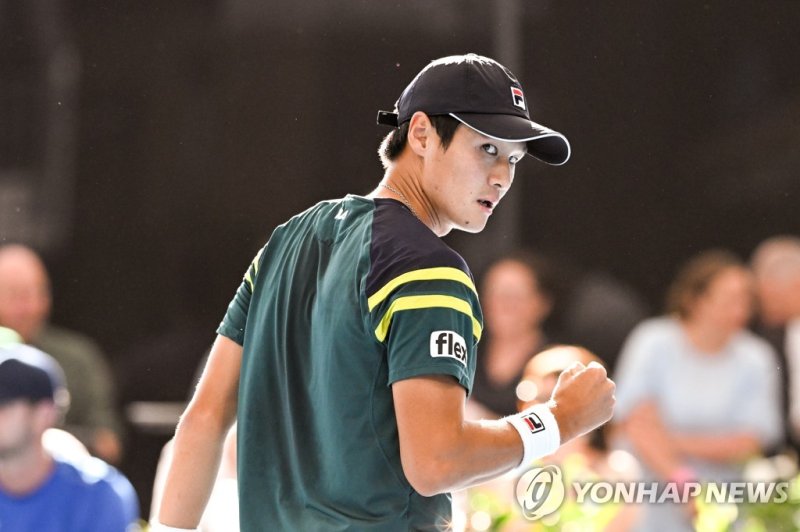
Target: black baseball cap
[
  {"x": 30, "y": 374},
  {"x": 485, "y": 96}
]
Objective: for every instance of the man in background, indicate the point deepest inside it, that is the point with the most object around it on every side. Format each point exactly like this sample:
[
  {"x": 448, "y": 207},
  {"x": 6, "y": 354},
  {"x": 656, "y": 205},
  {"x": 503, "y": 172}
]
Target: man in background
[
  {"x": 25, "y": 303},
  {"x": 776, "y": 266},
  {"x": 42, "y": 489}
]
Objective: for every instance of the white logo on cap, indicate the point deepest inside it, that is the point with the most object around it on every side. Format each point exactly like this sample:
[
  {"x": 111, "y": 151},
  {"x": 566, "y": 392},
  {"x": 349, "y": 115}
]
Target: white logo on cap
[{"x": 517, "y": 97}]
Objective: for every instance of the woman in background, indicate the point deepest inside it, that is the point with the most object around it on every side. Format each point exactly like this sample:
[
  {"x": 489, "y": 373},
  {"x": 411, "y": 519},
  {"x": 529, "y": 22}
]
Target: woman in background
[
  {"x": 516, "y": 301},
  {"x": 697, "y": 392}
]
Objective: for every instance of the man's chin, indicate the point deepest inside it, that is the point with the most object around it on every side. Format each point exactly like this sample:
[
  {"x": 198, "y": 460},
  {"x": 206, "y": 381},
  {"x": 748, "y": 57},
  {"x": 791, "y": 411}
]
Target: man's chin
[
  {"x": 466, "y": 227},
  {"x": 470, "y": 228}
]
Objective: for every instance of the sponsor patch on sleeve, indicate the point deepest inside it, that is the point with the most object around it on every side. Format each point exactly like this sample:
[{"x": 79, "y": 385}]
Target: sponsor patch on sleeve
[{"x": 449, "y": 344}]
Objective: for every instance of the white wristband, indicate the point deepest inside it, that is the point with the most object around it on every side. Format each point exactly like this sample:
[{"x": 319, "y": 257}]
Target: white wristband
[
  {"x": 539, "y": 432},
  {"x": 158, "y": 527}
]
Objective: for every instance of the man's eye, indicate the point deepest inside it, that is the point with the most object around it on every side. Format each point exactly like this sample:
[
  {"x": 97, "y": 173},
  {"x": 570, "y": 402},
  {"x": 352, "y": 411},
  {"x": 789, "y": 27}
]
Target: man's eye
[
  {"x": 513, "y": 159},
  {"x": 491, "y": 149}
]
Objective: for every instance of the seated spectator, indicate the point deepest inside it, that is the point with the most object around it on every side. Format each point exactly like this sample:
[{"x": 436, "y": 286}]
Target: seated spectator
[
  {"x": 39, "y": 489},
  {"x": 776, "y": 266},
  {"x": 25, "y": 307},
  {"x": 516, "y": 301},
  {"x": 696, "y": 391}
]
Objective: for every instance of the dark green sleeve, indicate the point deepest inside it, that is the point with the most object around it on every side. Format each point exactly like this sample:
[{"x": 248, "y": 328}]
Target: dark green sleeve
[
  {"x": 235, "y": 320},
  {"x": 430, "y": 328}
]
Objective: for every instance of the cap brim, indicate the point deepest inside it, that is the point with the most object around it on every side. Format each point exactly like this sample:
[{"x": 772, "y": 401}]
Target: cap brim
[{"x": 543, "y": 143}]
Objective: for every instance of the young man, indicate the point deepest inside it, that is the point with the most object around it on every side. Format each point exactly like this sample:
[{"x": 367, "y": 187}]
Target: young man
[
  {"x": 41, "y": 489},
  {"x": 25, "y": 303},
  {"x": 352, "y": 338}
]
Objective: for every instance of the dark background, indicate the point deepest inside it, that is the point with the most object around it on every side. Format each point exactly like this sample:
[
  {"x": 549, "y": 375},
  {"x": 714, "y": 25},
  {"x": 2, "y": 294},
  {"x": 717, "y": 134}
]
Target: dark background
[{"x": 149, "y": 148}]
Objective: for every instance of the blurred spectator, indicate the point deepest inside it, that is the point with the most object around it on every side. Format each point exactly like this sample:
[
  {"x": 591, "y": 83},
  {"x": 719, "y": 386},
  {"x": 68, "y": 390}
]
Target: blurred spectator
[
  {"x": 516, "y": 300},
  {"x": 776, "y": 265},
  {"x": 42, "y": 490},
  {"x": 696, "y": 392},
  {"x": 25, "y": 307}
]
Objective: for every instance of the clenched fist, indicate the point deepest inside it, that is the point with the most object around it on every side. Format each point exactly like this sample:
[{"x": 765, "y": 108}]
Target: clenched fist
[{"x": 582, "y": 400}]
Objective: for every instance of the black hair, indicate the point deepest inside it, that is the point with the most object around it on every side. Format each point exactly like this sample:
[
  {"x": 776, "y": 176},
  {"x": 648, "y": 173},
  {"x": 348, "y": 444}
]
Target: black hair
[{"x": 394, "y": 143}]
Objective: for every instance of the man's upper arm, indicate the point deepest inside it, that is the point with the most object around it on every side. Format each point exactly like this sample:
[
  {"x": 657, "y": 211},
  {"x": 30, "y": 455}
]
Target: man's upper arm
[
  {"x": 429, "y": 411},
  {"x": 219, "y": 384}
]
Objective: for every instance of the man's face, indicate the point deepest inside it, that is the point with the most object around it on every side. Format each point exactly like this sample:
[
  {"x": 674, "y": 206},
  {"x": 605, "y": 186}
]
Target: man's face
[
  {"x": 778, "y": 299},
  {"x": 24, "y": 295},
  {"x": 465, "y": 182},
  {"x": 17, "y": 427}
]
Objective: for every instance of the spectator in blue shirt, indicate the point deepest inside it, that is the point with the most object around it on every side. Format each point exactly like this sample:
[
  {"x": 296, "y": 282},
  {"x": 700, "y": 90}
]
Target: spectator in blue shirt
[{"x": 40, "y": 490}]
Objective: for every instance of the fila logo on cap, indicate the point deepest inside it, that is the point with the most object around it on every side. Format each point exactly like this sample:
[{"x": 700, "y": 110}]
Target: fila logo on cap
[
  {"x": 449, "y": 344},
  {"x": 518, "y": 98}
]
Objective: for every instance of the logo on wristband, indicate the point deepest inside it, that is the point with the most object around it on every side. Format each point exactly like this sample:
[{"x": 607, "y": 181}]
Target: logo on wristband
[{"x": 533, "y": 422}]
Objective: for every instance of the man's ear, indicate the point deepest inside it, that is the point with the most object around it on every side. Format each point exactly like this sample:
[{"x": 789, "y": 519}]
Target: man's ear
[{"x": 420, "y": 133}]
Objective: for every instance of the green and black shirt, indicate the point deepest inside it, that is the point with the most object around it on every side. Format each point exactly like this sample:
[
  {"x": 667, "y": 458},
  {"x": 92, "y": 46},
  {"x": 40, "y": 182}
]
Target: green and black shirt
[{"x": 345, "y": 299}]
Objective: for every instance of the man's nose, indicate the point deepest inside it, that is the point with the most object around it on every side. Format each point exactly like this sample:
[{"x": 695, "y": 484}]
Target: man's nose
[{"x": 502, "y": 176}]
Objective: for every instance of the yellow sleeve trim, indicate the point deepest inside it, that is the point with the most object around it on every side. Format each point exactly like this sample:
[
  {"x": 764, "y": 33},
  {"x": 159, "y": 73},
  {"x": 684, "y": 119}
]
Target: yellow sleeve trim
[
  {"x": 254, "y": 266},
  {"x": 256, "y": 260},
  {"x": 430, "y": 301},
  {"x": 425, "y": 274}
]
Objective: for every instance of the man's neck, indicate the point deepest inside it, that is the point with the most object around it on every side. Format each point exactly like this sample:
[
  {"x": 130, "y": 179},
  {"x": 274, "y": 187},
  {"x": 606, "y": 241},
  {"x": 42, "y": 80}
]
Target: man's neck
[
  {"x": 23, "y": 473},
  {"x": 404, "y": 175}
]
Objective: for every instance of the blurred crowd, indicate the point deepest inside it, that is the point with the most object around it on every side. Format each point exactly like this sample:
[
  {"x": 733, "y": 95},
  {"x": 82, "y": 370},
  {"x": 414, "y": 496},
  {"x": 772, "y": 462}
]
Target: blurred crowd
[{"x": 705, "y": 386}]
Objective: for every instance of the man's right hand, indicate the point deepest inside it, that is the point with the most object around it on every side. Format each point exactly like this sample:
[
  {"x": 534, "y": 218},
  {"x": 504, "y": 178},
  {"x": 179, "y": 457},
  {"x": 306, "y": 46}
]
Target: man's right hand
[{"x": 582, "y": 400}]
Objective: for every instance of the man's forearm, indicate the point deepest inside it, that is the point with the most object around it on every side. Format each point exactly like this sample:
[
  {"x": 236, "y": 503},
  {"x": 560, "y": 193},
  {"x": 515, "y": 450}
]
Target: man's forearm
[
  {"x": 485, "y": 450},
  {"x": 192, "y": 472},
  {"x": 200, "y": 437}
]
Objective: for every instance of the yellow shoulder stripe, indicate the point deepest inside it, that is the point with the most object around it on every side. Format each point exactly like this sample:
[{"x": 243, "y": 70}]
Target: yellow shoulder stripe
[
  {"x": 425, "y": 274},
  {"x": 429, "y": 301},
  {"x": 256, "y": 260},
  {"x": 254, "y": 265}
]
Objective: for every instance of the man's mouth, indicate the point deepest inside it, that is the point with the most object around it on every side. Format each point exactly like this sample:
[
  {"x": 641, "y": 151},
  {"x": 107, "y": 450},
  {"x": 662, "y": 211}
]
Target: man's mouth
[{"x": 486, "y": 203}]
